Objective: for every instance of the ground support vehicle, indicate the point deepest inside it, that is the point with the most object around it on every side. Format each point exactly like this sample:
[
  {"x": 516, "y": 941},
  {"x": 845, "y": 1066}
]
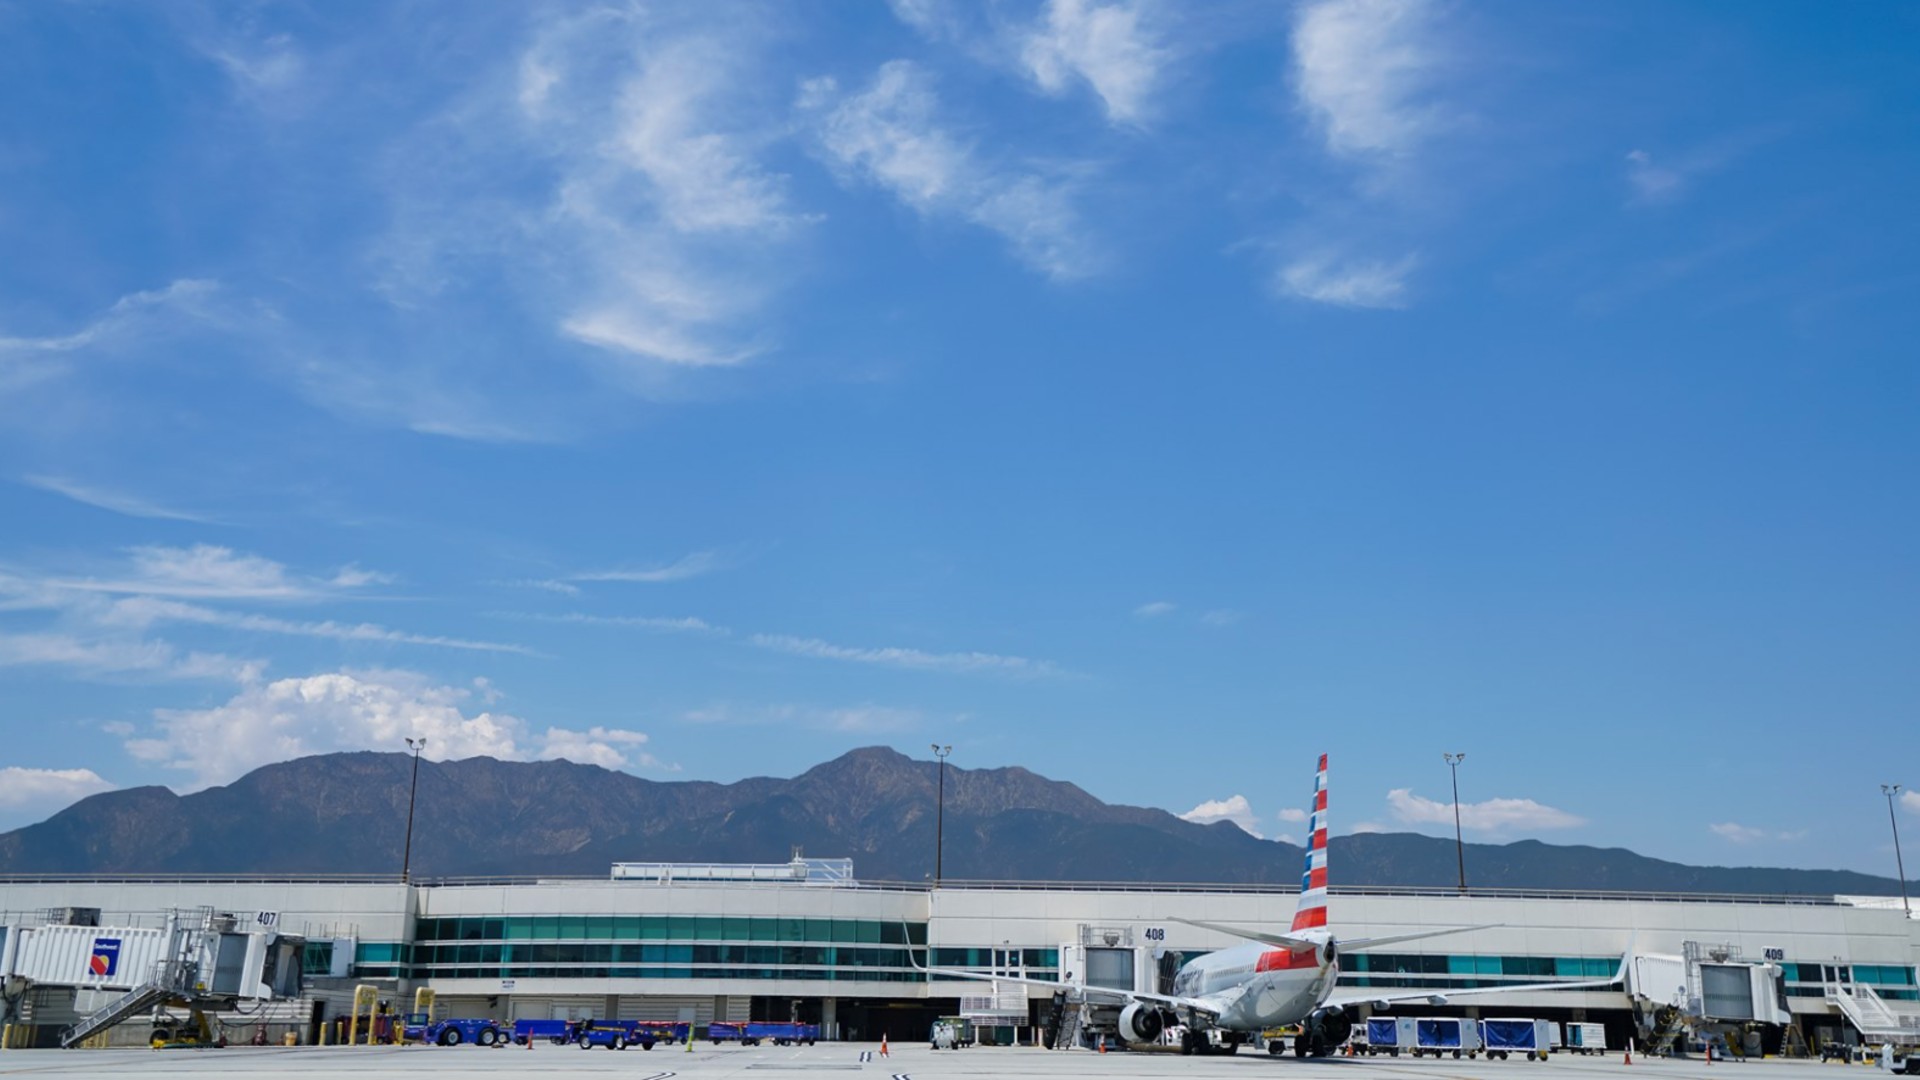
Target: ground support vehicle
[
  {"x": 453, "y": 1031},
  {"x": 1585, "y": 1038},
  {"x": 1505, "y": 1035},
  {"x": 612, "y": 1034},
  {"x": 779, "y": 1033},
  {"x": 557, "y": 1032},
  {"x": 1439, "y": 1036},
  {"x": 666, "y": 1031}
]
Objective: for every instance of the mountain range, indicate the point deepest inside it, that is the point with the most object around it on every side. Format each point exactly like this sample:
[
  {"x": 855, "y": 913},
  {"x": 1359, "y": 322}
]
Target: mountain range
[{"x": 346, "y": 813}]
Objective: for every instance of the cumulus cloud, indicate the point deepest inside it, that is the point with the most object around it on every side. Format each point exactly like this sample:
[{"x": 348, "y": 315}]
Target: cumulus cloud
[
  {"x": 910, "y": 659},
  {"x": 1106, "y": 45},
  {"x": 889, "y": 135},
  {"x": 1360, "y": 69},
  {"x": 1350, "y": 283},
  {"x": 1744, "y": 834},
  {"x": 1234, "y": 808},
  {"x": 1363, "y": 827},
  {"x": 1493, "y": 815},
  {"x": 49, "y": 789},
  {"x": 287, "y": 718},
  {"x": 1910, "y": 801},
  {"x": 1155, "y": 609},
  {"x": 1292, "y": 814}
]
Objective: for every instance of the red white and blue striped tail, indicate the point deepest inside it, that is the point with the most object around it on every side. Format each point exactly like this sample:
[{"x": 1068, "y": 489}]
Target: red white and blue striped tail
[{"x": 1312, "y": 911}]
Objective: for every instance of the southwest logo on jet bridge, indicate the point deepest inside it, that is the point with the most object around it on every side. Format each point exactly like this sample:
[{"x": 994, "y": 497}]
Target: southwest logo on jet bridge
[{"x": 106, "y": 957}]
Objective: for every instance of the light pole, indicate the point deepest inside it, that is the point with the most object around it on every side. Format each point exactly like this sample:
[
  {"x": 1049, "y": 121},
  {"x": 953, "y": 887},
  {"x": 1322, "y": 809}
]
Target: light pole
[
  {"x": 1890, "y": 790},
  {"x": 940, "y": 813},
  {"x": 413, "y": 788},
  {"x": 1459, "y": 846}
]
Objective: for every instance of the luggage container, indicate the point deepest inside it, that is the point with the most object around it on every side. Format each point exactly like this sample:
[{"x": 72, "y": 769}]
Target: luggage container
[
  {"x": 1387, "y": 1034},
  {"x": 557, "y": 1032},
  {"x": 1586, "y": 1038},
  {"x": 1439, "y": 1036},
  {"x": 1505, "y": 1035}
]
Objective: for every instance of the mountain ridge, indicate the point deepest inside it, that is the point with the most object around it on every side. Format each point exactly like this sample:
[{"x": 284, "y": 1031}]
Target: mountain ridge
[{"x": 481, "y": 816}]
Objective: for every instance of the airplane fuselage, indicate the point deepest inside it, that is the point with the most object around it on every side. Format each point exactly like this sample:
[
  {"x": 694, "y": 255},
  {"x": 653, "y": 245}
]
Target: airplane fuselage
[{"x": 1256, "y": 986}]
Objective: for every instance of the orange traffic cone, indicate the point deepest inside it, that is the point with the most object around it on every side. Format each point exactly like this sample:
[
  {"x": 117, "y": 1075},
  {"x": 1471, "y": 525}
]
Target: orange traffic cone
[
  {"x": 1628, "y": 1060},
  {"x": 883, "y": 1046},
  {"x": 1103, "y": 1044},
  {"x": 1709, "y": 1053}
]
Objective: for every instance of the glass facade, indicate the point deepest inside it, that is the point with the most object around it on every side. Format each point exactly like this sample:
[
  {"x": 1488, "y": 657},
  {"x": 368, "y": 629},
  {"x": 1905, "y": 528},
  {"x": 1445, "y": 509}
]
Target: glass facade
[
  {"x": 1422, "y": 970},
  {"x": 660, "y": 947}
]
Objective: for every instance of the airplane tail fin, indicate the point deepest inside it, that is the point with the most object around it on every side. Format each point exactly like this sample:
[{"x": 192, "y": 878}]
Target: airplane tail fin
[{"x": 1312, "y": 911}]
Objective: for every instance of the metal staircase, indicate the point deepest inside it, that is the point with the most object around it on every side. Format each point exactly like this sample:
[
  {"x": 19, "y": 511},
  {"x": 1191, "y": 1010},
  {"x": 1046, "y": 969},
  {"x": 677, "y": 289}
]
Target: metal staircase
[
  {"x": 1870, "y": 1015},
  {"x": 142, "y": 998}
]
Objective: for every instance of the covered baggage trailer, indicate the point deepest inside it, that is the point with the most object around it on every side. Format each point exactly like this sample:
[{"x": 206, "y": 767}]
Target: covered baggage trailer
[
  {"x": 1505, "y": 1035},
  {"x": 1438, "y": 1036},
  {"x": 783, "y": 1033},
  {"x": 1387, "y": 1034},
  {"x": 557, "y": 1032}
]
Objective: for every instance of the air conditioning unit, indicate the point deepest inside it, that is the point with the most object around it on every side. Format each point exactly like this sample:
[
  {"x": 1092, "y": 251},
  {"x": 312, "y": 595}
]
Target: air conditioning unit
[{"x": 74, "y": 916}]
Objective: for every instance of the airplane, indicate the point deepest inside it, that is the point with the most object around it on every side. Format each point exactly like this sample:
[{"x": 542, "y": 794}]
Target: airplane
[{"x": 1271, "y": 980}]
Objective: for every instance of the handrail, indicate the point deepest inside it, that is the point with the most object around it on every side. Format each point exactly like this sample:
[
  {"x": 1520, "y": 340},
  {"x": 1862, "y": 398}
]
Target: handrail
[{"x": 950, "y": 885}]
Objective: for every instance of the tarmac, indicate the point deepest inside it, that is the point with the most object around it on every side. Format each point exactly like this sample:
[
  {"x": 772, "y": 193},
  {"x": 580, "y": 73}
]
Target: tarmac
[{"x": 909, "y": 1062}]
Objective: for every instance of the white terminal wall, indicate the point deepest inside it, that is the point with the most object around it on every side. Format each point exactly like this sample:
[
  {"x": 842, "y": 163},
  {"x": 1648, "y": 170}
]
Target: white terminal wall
[{"x": 369, "y": 911}]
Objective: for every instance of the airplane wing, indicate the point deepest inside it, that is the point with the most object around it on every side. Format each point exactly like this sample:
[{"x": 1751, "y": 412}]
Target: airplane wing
[
  {"x": 1284, "y": 941},
  {"x": 1438, "y": 996},
  {"x": 1361, "y": 944}
]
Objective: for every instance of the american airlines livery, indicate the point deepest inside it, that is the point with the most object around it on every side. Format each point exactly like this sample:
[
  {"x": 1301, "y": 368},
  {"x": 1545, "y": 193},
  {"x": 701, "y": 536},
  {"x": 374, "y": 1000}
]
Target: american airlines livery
[{"x": 1271, "y": 980}]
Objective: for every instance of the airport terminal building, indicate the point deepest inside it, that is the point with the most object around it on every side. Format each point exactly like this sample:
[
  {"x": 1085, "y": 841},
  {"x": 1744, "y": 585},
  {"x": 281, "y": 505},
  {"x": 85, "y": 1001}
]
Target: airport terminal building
[{"x": 808, "y": 941}]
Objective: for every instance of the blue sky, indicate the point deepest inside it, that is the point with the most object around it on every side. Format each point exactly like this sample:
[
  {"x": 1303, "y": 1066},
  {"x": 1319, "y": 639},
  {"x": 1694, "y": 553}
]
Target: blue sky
[{"x": 1153, "y": 395}]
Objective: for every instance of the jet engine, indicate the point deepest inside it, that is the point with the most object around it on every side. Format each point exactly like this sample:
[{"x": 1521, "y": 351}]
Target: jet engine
[
  {"x": 1142, "y": 1023},
  {"x": 1327, "y": 1029}
]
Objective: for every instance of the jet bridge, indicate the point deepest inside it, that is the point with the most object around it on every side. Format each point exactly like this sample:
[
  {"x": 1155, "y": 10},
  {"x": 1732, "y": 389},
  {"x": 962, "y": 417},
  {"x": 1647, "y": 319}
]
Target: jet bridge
[
  {"x": 1709, "y": 993},
  {"x": 200, "y": 959}
]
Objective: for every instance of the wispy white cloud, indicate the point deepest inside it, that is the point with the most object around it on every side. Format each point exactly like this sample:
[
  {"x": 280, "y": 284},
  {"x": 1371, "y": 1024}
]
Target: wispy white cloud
[
  {"x": 564, "y": 588},
  {"x": 1347, "y": 283},
  {"x": 112, "y": 656},
  {"x": 910, "y": 659},
  {"x": 347, "y": 710},
  {"x": 1292, "y": 815},
  {"x": 684, "y": 568},
  {"x": 1651, "y": 182},
  {"x": 1910, "y": 801},
  {"x": 1155, "y": 609},
  {"x": 209, "y": 571},
  {"x": 116, "y": 501},
  {"x": 1361, "y": 828},
  {"x": 854, "y": 719},
  {"x": 1110, "y": 46},
  {"x": 148, "y": 611},
  {"x": 1221, "y": 617},
  {"x": 1745, "y": 834},
  {"x": 889, "y": 135},
  {"x": 1234, "y": 808},
  {"x": 1493, "y": 815},
  {"x": 681, "y": 625},
  {"x": 125, "y": 314},
  {"x": 1361, "y": 68}
]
